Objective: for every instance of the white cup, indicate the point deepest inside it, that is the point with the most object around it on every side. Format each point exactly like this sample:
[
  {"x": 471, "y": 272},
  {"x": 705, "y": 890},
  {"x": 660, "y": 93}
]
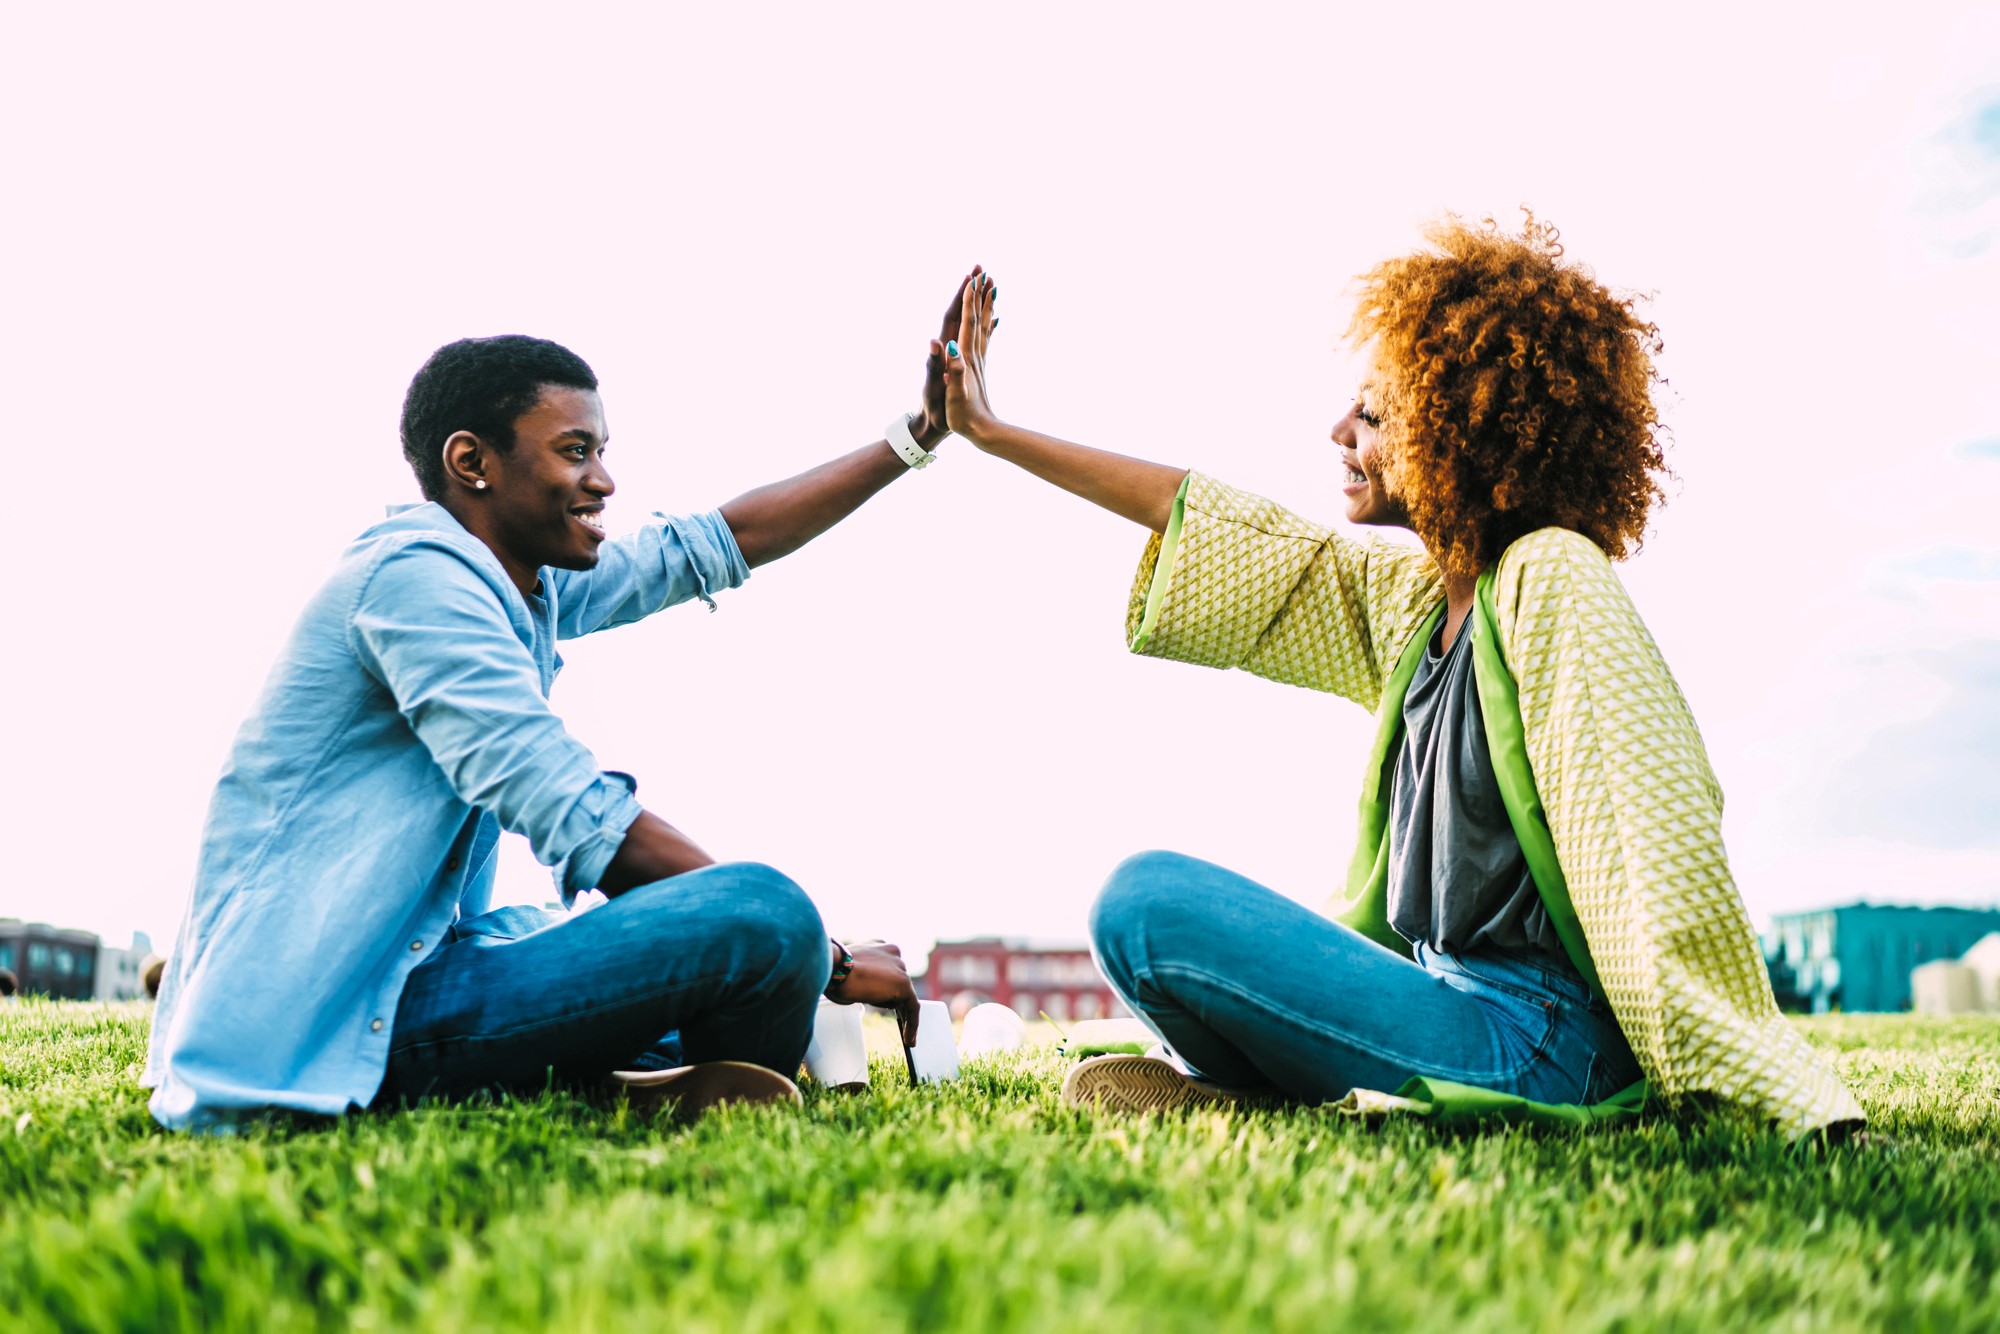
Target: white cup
[
  {"x": 935, "y": 1056},
  {"x": 837, "y": 1056}
]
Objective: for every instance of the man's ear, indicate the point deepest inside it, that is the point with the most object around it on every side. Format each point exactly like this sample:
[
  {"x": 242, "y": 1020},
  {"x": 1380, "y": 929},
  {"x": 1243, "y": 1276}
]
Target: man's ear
[{"x": 465, "y": 456}]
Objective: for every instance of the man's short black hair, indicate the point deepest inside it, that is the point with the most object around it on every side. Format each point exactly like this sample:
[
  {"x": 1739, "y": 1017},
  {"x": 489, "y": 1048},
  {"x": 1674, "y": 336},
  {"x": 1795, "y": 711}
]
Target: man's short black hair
[
  {"x": 9, "y": 984},
  {"x": 481, "y": 385}
]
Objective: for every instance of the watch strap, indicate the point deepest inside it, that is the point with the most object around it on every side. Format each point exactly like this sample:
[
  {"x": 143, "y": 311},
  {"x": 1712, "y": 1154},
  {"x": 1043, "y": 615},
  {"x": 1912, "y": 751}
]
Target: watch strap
[{"x": 897, "y": 433}]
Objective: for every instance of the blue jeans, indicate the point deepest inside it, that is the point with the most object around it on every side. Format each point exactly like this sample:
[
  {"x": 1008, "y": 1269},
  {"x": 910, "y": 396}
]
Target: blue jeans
[
  {"x": 731, "y": 957},
  {"x": 1252, "y": 990}
]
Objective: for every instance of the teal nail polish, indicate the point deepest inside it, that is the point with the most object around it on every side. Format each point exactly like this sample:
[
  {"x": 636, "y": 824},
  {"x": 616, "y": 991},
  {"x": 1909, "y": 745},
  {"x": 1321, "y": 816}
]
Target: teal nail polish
[{"x": 951, "y": 348}]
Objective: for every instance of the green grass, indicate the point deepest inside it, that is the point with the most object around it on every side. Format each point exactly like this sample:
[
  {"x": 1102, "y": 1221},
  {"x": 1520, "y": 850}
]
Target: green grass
[{"x": 983, "y": 1206}]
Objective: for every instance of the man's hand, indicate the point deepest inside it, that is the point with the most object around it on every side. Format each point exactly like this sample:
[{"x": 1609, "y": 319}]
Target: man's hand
[
  {"x": 967, "y": 410},
  {"x": 930, "y": 427},
  {"x": 880, "y": 978}
]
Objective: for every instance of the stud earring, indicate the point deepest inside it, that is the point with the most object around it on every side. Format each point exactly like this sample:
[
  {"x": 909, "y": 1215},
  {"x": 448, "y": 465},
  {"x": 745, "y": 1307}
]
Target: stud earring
[{"x": 479, "y": 485}]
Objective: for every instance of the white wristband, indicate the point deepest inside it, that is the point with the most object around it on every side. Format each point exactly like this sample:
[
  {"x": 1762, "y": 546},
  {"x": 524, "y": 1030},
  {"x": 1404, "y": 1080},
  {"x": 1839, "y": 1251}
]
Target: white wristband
[{"x": 897, "y": 433}]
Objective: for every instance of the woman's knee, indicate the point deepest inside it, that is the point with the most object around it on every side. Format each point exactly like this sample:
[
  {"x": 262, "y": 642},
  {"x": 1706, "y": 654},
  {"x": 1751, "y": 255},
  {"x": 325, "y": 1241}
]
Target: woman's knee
[{"x": 1141, "y": 888}]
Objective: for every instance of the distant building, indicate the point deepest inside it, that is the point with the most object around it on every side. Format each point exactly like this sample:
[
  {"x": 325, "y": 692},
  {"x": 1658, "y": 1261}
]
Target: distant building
[
  {"x": 48, "y": 960},
  {"x": 1031, "y": 978},
  {"x": 121, "y": 974},
  {"x": 1859, "y": 958}
]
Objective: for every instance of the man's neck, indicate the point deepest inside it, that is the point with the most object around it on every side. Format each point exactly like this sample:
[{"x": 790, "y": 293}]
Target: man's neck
[{"x": 474, "y": 519}]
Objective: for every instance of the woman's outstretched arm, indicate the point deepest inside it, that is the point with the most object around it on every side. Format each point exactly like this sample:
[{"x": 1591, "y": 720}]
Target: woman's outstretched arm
[
  {"x": 1238, "y": 581},
  {"x": 1131, "y": 488}
]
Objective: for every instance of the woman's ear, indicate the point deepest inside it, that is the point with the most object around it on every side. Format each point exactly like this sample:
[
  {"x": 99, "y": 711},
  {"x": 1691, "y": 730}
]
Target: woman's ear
[{"x": 465, "y": 460}]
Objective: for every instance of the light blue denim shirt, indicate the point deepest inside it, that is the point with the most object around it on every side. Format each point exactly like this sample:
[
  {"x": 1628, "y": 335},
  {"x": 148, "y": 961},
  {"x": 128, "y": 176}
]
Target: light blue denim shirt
[{"x": 404, "y": 726}]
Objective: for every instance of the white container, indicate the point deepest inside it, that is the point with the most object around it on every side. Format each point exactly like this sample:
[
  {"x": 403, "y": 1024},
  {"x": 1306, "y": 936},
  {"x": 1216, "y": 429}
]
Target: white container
[
  {"x": 935, "y": 1057},
  {"x": 837, "y": 1056},
  {"x": 991, "y": 1029}
]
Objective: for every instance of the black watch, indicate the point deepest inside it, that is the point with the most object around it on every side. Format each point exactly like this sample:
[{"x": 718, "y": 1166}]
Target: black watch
[{"x": 842, "y": 970}]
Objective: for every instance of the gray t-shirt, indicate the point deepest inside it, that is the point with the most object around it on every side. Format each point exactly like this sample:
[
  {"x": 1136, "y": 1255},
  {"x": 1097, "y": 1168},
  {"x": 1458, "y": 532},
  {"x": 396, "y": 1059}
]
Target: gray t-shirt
[{"x": 1458, "y": 881}]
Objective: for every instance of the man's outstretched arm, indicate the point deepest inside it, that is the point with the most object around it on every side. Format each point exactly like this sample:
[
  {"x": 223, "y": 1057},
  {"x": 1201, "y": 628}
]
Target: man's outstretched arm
[{"x": 778, "y": 519}]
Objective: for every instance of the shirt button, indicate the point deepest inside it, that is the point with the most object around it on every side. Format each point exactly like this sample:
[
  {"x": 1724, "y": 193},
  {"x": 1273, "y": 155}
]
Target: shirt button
[
  {"x": 451, "y": 864},
  {"x": 416, "y": 944},
  {"x": 375, "y": 1027}
]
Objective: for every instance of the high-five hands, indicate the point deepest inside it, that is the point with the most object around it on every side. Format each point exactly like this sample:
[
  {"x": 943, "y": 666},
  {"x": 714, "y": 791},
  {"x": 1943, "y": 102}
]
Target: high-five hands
[
  {"x": 1135, "y": 488},
  {"x": 967, "y": 409},
  {"x": 930, "y": 426},
  {"x": 880, "y": 978}
]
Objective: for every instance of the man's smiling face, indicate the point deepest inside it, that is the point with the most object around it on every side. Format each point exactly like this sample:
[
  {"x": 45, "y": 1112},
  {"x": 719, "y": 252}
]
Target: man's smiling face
[{"x": 546, "y": 495}]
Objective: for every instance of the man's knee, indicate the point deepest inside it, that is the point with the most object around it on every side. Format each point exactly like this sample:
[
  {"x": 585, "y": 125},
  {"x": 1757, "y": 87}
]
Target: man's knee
[{"x": 768, "y": 906}]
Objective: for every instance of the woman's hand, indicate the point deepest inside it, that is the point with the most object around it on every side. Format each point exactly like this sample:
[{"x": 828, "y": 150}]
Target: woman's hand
[
  {"x": 968, "y": 411},
  {"x": 880, "y": 978},
  {"x": 930, "y": 425}
]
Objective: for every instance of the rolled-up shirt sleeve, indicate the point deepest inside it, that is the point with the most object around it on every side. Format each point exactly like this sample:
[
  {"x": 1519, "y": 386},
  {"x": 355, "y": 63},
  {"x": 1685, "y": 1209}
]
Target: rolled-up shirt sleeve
[
  {"x": 435, "y": 632},
  {"x": 674, "y": 558},
  {"x": 586, "y": 864}
]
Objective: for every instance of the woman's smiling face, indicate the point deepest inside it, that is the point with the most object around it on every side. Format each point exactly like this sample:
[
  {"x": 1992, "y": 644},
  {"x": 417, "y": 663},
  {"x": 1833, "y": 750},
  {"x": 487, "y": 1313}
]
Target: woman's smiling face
[{"x": 1359, "y": 436}]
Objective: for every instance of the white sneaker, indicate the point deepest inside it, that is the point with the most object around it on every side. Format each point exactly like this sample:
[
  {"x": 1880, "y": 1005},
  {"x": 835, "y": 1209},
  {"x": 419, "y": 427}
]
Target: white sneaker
[{"x": 1142, "y": 1084}]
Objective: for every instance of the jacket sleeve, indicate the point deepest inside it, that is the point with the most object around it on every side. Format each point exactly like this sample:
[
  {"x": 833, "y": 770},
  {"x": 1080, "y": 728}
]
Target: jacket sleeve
[
  {"x": 1238, "y": 581},
  {"x": 677, "y": 557},
  {"x": 436, "y": 634},
  {"x": 1636, "y": 815}
]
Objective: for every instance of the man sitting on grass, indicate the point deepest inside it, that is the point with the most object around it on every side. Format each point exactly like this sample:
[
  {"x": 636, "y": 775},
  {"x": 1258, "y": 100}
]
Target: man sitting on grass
[{"x": 339, "y": 951}]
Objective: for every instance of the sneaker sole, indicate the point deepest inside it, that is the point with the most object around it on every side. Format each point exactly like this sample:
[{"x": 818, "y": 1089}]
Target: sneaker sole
[
  {"x": 1136, "y": 1084},
  {"x": 691, "y": 1090}
]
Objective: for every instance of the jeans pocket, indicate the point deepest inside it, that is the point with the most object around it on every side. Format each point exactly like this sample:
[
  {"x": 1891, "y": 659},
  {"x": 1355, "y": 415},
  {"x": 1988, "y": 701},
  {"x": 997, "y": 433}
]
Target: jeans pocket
[
  {"x": 1569, "y": 1063},
  {"x": 1534, "y": 1023},
  {"x": 1494, "y": 976}
]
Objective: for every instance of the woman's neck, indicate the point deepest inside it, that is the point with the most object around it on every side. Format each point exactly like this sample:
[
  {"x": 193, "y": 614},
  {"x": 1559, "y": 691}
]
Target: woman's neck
[{"x": 1459, "y": 591}]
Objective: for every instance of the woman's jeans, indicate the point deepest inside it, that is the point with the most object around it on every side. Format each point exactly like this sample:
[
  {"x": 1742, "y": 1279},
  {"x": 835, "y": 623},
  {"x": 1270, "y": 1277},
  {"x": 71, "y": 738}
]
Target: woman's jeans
[
  {"x": 732, "y": 956},
  {"x": 1252, "y": 990}
]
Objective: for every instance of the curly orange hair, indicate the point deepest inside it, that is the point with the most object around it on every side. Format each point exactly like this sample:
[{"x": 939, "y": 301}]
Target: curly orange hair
[{"x": 1514, "y": 392}]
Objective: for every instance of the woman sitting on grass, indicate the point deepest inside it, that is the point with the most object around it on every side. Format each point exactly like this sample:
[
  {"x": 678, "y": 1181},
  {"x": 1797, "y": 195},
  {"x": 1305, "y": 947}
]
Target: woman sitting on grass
[{"x": 1538, "y": 906}]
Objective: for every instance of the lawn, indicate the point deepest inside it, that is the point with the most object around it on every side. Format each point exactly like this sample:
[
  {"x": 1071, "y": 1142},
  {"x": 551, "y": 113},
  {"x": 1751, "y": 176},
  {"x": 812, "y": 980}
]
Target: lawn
[{"x": 984, "y": 1205}]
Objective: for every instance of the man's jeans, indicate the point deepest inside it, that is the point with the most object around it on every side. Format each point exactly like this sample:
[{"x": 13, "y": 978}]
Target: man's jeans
[
  {"x": 732, "y": 956},
  {"x": 1252, "y": 990}
]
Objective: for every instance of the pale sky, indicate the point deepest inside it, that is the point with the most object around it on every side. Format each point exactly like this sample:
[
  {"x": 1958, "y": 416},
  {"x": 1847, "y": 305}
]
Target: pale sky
[{"x": 233, "y": 236}]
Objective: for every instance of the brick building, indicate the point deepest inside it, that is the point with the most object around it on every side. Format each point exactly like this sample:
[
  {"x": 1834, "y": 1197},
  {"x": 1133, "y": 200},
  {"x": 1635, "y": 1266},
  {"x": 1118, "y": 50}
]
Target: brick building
[{"x": 1030, "y": 977}]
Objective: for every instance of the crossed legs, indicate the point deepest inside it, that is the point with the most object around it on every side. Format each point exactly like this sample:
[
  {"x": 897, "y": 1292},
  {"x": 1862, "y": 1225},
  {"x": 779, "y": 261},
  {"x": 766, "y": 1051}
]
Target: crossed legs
[
  {"x": 1254, "y": 991},
  {"x": 733, "y": 956}
]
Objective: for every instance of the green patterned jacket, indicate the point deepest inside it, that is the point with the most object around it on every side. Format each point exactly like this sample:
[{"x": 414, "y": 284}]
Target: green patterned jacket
[{"x": 1601, "y": 766}]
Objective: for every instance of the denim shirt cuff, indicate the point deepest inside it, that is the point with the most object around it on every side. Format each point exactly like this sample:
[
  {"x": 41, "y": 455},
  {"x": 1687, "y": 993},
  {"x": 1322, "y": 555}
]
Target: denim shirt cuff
[
  {"x": 587, "y": 862},
  {"x": 713, "y": 556}
]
